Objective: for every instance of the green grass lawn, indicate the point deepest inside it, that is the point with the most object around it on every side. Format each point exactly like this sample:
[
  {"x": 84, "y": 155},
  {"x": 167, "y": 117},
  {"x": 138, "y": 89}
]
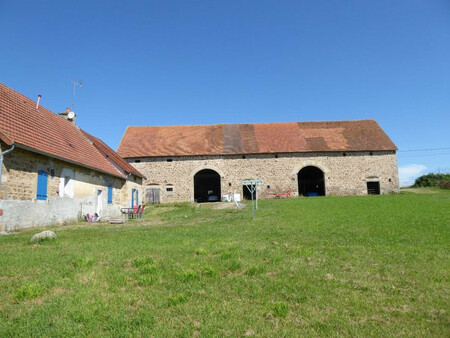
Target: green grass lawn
[{"x": 359, "y": 266}]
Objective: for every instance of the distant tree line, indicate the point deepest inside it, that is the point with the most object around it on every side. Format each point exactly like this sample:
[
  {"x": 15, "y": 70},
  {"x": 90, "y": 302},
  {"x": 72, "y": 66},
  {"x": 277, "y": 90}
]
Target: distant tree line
[{"x": 433, "y": 180}]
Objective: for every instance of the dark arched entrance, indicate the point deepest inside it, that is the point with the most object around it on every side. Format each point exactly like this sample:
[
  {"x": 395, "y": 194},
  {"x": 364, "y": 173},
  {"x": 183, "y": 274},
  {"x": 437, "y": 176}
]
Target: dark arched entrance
[
  {"x": 311, "y": 182},
  {"x": 207, "y": 186}
]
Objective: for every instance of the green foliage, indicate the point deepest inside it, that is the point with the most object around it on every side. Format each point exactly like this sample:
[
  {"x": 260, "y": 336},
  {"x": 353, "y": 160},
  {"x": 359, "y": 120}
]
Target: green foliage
[
  {"x": 83, "y": 262},
  {"x": 255, "y": 270},
  {"x": 433, "y": 180},
  {"x": 177, "y": 299},
  {"x": 28, "y": 291},
  {"x": 280, "y": 310},
  {"x": 142, "y": 261}
]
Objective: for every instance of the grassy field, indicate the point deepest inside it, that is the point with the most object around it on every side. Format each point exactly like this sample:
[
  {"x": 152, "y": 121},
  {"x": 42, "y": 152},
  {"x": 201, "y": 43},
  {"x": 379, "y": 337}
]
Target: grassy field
[{"x": 359, "y": 266}]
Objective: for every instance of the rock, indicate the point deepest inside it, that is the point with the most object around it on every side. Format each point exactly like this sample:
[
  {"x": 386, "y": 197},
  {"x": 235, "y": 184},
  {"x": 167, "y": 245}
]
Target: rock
[{"x": 42, "y": 235}]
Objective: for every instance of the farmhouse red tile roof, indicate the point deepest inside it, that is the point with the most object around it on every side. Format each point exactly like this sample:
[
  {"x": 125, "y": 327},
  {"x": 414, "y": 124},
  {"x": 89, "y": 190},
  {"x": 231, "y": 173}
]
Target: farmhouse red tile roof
[
  {"x": 112, "y": 155},
  {"x": 42, "y": 131},
  {"x": 256, "y": 138}
]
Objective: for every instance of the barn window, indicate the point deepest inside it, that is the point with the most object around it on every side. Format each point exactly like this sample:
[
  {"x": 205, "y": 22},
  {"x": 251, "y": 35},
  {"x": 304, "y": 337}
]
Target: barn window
[
  {"x": 373, "y": 188},
  {"x": 311, "y": 182},
  {"x": 169, "y": 189},
  {"x": 137, "y": 161},
  {"x": 169, "y": 160},
  {"x": 207, "y": 186}
]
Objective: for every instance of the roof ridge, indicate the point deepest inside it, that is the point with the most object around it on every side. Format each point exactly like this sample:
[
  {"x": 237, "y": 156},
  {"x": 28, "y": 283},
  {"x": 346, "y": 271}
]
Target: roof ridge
[{"x": 244, "y": 123}]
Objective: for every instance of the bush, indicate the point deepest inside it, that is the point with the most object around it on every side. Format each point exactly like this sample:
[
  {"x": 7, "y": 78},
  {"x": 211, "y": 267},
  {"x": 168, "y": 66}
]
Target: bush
[
  {"x": 444, "y": 184},
  {"x": 431, "y": 180}
]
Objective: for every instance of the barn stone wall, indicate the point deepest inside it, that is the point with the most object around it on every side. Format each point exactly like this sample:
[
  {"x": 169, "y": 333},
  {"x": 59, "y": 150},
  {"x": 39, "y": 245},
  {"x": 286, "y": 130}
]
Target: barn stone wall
[{"x": 345, "y": 173}]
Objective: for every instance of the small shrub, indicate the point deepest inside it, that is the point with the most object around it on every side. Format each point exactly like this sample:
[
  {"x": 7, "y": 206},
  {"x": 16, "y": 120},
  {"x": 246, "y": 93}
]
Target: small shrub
[
  {"x": 28, "y": 291},
  {"x": 177, "y": 299},
  {"x": 280, "y": 310},
  {"x": 138, "y": 262},
  {"x": 444, "y": 184}
]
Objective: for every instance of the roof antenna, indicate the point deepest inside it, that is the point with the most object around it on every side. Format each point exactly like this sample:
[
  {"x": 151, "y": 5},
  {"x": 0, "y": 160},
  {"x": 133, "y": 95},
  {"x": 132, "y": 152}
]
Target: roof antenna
[{"x": 75, "y": 84}]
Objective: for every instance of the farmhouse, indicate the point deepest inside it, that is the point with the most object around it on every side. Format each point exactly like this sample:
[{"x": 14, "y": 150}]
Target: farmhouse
[
  {"x": 52, "y": 171},
  {"x": 204, "y": 163}
]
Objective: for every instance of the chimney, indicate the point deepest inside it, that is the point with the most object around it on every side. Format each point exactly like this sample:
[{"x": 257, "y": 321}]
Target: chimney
[
  {"x": 68, "y": 115},
  {"x": 38, "y": 100}
]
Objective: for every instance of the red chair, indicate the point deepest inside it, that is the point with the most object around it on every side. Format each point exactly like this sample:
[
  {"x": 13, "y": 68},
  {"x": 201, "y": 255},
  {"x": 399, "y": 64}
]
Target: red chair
[
  {"x": 135, "y": 211},
  {"x": 141, "y": 211}
]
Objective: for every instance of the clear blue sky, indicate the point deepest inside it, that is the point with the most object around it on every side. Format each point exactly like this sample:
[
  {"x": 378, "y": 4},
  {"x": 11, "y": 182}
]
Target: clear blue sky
[{"x": 205, "y": 62}]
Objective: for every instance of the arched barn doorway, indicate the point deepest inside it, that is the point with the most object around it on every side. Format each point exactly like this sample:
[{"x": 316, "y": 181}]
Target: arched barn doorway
[
  {"x": 207, "y": 186},
  {"x": 311, "y": 182}
]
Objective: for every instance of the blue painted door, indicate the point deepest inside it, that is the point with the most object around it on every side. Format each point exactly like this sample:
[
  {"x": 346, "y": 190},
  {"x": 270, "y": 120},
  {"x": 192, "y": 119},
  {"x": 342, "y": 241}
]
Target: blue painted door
[{"x": 42, "y": 185}]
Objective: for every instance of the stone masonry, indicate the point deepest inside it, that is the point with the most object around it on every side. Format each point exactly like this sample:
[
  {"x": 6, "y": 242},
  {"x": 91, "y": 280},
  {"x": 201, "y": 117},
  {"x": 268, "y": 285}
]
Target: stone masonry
[{"x": 345, "y": 173}]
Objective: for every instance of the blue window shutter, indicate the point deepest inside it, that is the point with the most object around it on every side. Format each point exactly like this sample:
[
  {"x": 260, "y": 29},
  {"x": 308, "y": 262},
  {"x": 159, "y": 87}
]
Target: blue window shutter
[
  {"x": 42, "y": 185},
  {"x": 137, "y": 197},
  {"x": 132, "y": 198},
  {"x": 110, "y": 194}
]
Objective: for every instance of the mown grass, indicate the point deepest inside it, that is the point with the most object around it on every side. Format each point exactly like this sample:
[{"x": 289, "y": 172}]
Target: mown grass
[{"x": 352, "y": 266}]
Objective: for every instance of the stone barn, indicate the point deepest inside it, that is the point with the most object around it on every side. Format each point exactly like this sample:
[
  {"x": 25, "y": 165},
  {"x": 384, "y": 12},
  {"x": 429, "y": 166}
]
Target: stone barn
[{"x": 205, "y": 163}]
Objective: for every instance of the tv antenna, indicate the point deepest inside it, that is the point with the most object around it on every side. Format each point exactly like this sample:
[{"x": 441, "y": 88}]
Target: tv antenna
[{"x": 75, "y": 85}]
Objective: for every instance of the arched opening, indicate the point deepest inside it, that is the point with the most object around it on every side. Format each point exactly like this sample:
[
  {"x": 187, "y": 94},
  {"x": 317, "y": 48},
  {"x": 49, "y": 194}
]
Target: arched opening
[
  {"x": 207, "y": 186},
  {"x": 311, "y": 182}
]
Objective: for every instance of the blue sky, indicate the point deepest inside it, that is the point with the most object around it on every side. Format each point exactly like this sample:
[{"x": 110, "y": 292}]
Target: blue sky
[{"x": 205, "y": 62}]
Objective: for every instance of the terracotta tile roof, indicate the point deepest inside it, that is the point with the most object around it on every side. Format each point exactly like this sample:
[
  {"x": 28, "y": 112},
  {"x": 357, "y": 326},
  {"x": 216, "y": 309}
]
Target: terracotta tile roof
[
  {"x": 258, "y": 138},
  {"x": 42, "y": 131},
  {"x": 112, "y": 155}
]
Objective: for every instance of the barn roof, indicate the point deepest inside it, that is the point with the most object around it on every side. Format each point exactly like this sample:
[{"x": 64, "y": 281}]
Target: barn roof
[
  {"x": 40, "y": 130},
  {"x": 255, "y": 138}
]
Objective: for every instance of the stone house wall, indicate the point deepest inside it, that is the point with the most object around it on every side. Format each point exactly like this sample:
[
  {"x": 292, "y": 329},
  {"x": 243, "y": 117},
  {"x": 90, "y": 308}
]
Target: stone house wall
[
  {"x": 19, "y": 184},
  {"x": 345, "y": 173}
]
